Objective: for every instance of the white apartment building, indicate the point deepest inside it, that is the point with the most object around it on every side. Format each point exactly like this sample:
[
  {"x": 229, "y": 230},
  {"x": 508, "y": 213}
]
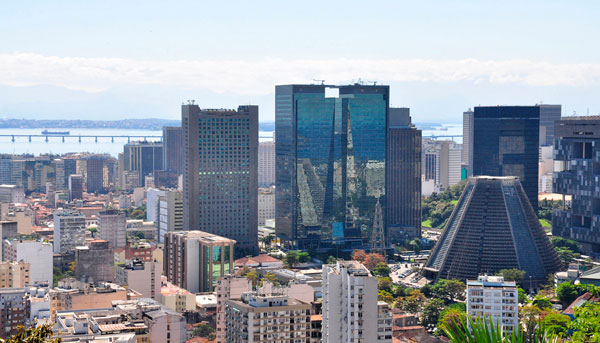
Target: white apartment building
[
  {"x": 37, "y": 254},
  {"x": 266, "y": 204},
  {"x": 266, "y": 164},
  {"x": 141, "y": 276},
  {"x": 170, "y": 213},
  {"x": 152, "y": 199},
  {"x": 350, "y": 306},
  {"x": 69, "y": 230},
  {"x": 442, "y": 162},
  {"x": 266, "y": 318},
  {"x": 491, "y": 296},
  {"x": 112, "y": 227},
  {"x": 228, "y": 287}
]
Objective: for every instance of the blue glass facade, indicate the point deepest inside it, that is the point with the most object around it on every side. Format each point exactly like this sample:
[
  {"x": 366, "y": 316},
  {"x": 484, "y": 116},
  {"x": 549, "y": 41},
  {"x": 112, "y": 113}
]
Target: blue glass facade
[
  {"x": 330, "y": 162},
  {"x": 506, "y": 143}
]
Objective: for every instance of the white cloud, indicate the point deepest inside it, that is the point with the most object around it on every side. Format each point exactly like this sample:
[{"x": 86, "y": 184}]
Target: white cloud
[{"x": 259, "y": 77}]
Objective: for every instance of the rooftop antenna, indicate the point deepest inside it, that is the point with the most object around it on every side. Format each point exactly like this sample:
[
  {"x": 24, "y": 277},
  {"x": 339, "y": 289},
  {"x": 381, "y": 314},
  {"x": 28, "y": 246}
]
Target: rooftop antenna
[{"x": 322, "y": 81}]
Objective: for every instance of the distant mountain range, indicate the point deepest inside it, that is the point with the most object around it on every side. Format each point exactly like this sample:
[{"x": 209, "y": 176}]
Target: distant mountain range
[{"x": 131, "y": 124}]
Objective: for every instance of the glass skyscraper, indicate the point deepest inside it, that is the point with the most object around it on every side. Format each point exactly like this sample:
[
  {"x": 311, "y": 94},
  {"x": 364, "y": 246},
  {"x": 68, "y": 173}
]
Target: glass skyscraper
[
  {"x": 330, "y": 162},
  {"x": 506, "y": 143}
]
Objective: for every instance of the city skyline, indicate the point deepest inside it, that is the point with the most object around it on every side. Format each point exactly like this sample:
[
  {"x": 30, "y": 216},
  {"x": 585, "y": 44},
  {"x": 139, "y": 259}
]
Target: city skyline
[{"x": 143, "y": 61}]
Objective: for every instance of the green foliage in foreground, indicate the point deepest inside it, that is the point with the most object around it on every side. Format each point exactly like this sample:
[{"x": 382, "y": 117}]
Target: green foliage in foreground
[
  {"x": 39, "y": 334},
  {"x": 483, "y": 330}
]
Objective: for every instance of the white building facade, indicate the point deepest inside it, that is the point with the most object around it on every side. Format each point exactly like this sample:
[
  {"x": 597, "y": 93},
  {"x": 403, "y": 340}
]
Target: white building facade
[
  {"x": 491, "y": 296},
  {"x": 350, "y": 306}
]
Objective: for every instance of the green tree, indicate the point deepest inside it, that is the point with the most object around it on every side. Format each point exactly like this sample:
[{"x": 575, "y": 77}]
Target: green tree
[
  {"x": 566, "y": 293},
  {"x": 542, "y": 303},
  {"x": 382, "y": 269},
  {"x": 384, "y": 283},
  {"x": 291, "y": 258},
  {"x": 431, "y": 312},
  {"x": 566, "y": 256},
  {"x": 522, "y": 296},
  {"x": 385, "y": 296},
  {"x": 585, "y": 326},
  {"x": 449, "y": 289},
  {"x": 203, "y": 330},
  {"x": 303, "y": 257},
  {"x": 513, "y": 274},
  {"x": 556, "y": 323},
  {"x": 413, "y": 303},
  {"x": 569, "y": 244}
]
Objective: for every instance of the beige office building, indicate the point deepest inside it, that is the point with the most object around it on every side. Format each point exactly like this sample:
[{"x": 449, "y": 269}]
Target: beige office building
[{"x": 194, "y": 260}]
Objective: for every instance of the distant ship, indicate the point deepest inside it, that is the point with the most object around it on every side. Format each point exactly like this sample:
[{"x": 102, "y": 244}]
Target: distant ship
[{"x": 56, "y": 133}]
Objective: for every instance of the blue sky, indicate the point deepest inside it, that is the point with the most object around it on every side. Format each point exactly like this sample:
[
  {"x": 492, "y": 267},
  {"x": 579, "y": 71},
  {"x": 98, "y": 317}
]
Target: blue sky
[{"x": 113, "y": 59}]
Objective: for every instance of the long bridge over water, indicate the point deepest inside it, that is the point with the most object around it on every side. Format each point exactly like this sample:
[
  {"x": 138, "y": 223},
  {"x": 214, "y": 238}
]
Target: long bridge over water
[{"x": 47, "y": 138}]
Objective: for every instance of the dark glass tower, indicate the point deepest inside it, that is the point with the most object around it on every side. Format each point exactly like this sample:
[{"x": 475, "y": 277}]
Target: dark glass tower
[
  {"x": 403, "y": 176},
  {"x": 577, "y": 173},
  {"x": 143, "y": 157},
  {"x": 172, "y": 149},
  {"x": 95, "y": 173},
  {"x": 330, "y": 162},
  {"x": 506, "y": 143},
  {"x": 220, "y": 176}
]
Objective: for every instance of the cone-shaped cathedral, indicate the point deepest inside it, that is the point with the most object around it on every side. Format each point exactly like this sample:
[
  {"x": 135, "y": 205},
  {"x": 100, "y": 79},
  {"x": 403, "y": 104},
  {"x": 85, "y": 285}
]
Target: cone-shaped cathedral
[{"x": 492, "y": 227}]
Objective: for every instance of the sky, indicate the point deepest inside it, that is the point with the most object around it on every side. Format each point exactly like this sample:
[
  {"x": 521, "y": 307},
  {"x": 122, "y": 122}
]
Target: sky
[{"x": 139, "y": 59}]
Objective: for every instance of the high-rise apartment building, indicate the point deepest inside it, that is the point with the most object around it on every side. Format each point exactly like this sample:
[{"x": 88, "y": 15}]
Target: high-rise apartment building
[
  {"x": 228, "y": 287},
  {"x": 37, "y": 253},
  {"x": 266, "y": 164},
  {"x": 69, "y": 230},
  {"x": 143, "y": 157},
  {"x": 75, "y": 186},
  {"x": 576, "y": 170},
  {"x": 95, "y": 173},
  {"x": 96, "y": 261},
  {"x": 170, "y": 213},
  {"x": 266, "y": 318},
  {"x": 506, "y": 143},
  {"x": 549, "y": 114},
  {"x": 491, "y": 297},
  {"x": 112, "y": 227},
  {"x": 220, "y": 172},
  {"x": 330, "y": 162},
  {"x": 403, "y": 176},
  {"x": 70, "y": 168},
  {"x": 194, "y": 260},
  {"x": 493, "y": 227},
  {"x": 173, "y": 149},
  {"x": 14, "y": 274},
  {"x": 442, "y": 161},
  {"x": 350, "y": 306},
  {"x": 266, "y": 205},
  {"x": 467, "y": 143},
  {"x": 15, "y": 307}
]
